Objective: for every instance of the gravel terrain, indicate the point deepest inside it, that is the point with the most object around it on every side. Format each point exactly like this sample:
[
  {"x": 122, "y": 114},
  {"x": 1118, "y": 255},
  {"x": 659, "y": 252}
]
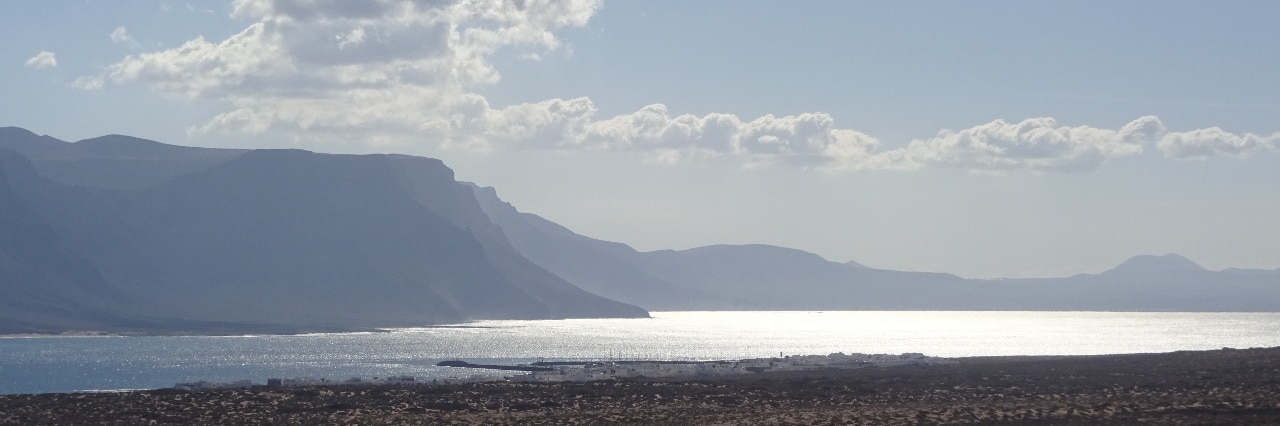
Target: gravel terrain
[{"x": 1207, "y": 387}]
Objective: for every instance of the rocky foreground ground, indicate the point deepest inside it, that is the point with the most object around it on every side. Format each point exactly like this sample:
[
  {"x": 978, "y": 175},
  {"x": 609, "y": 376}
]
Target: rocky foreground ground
[{"x": 1211, "y": 387}]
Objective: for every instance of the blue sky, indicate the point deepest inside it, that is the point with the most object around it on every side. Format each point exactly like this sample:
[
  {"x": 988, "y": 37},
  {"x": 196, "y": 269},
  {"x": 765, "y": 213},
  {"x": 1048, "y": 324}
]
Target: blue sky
[{"x": 980, "y": 138}]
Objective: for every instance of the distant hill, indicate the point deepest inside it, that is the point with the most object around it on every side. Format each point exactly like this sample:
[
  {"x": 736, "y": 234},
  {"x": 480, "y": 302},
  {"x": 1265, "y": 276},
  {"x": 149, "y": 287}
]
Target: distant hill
[
  {"x": 110, "y": 162},
  {"x": 158, "y": 238},
  {"x": 763, "y": 277},
  {"x": 1148, "y": 264},
  {"x": 609, "y": 269}
]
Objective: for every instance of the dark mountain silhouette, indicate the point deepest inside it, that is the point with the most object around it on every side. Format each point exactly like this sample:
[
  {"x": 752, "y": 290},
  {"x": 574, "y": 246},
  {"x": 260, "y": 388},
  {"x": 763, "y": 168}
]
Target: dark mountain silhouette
[
  {"x": 124, "y": 234},
  {"x": 110, "y": 162},
  {"x": 274, "y": 240},
  {"x": 774, "y": 278},
  {"x": 46, "y": 287}
]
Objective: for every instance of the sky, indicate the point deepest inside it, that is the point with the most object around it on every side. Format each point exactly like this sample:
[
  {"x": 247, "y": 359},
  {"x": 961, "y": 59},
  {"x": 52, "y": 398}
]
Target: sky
[{"x": 982, "y": 138}]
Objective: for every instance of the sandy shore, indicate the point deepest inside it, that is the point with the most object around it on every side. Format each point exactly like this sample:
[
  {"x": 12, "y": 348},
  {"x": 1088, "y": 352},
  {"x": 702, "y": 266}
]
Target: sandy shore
[{"x": 1209, "y": 387}]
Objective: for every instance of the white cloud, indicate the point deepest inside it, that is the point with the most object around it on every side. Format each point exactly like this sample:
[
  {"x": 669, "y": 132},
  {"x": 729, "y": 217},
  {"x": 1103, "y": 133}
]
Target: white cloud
[
  {"x": 121, "y": 36},
  {"x": 43, "y": 60},
  {"x": 806, "y": 140},
  {"x": 403, "y": 72},
  {"x": 1036, "y": 144},
  {"x": 1204, "y": 143},
  {"x": 348, "y": 69},
  {"x": 87, "y": 82}
]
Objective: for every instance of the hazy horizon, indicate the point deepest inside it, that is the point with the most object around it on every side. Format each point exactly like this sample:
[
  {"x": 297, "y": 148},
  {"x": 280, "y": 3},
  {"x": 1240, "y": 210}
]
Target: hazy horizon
[{"x": 980, "y": 139}]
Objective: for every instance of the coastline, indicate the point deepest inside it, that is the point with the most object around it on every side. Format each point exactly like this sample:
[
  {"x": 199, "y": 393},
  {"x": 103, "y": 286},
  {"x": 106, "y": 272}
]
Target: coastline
[
  {"x": 251, "y": 330},
  {"x": 1225, "y": 386},
  {"x": 205, "y": 329},
  {"x": 202, "y": 332}
]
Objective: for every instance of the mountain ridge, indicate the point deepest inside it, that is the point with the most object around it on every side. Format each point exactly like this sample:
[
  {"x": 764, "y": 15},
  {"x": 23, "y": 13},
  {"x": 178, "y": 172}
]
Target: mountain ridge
[
  {"x": 279, "y": 240},
  {"x": 126, "y": 234}
]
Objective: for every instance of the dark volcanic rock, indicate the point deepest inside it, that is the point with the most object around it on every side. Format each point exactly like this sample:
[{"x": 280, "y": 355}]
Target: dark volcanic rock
[{"x": 1212, "y": 387}]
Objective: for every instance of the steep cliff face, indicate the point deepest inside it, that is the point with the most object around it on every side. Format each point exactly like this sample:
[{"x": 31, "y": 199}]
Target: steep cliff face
[
  {"x": 287, "y": 239},
  {"x": 46, "y": 286},
  {"x": 606, "y": 268},
  {"x": 429, "y": 183}
]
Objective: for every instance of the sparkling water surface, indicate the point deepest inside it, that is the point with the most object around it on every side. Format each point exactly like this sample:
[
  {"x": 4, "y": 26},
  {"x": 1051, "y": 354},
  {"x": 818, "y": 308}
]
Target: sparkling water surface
[{"x": 66, "y": 364}]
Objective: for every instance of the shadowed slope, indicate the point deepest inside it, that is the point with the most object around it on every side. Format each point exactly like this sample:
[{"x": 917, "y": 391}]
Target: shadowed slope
[
  {"x": 273, "y": 240},
  {"x": 46, "y": 286}
]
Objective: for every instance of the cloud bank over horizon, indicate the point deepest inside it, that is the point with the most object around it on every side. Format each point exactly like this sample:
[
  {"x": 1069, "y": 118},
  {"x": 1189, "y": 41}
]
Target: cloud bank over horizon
[{"x": 393, "y": 73}]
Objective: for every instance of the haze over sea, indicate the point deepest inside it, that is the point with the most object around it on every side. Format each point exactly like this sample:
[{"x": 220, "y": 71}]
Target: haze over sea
[{"x": 66, "y": 364}]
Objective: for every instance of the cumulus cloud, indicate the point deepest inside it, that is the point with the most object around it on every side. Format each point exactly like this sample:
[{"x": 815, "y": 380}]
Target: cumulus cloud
[
  {"x": 355, "y": 68},
  {"x": 43, "y": 60},
  {"x": 1036, "y": 144},
  {"x": 401, "y": 72},
  {"x": 1204, "y": 143},
  {"x": 1040, "y": 145},
  {"x": 121, "y": 36},
  {"x": 338, "y": 47},
  {"x": 804, "y": 140},
  {"x": 89, "y": 83}
]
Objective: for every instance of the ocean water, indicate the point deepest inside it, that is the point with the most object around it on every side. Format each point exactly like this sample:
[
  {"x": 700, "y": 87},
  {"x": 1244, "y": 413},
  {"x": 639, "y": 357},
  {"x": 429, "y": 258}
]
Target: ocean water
[{"x": 67, "y": 364}]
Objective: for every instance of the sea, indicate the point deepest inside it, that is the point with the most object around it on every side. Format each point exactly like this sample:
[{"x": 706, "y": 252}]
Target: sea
[{"x": 40, "y": 364}]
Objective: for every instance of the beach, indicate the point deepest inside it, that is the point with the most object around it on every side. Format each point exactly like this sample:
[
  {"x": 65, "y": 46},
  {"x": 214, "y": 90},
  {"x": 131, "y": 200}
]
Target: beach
[{"x": 1228, "y": 386}]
